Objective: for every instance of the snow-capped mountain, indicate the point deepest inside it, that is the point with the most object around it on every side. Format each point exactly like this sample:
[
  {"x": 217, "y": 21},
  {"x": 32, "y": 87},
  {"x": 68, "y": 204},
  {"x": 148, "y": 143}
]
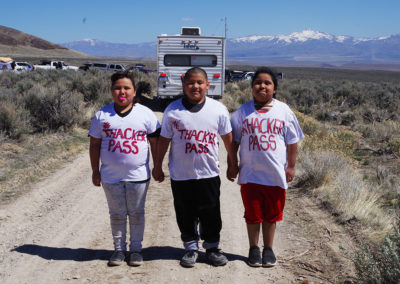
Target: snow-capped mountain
[
  {"x": 303, "y": 46},
  {"x": 102, "y": 48}
]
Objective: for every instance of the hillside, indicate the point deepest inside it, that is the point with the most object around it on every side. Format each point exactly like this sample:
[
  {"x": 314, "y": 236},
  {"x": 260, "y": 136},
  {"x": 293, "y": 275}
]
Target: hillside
[{"x": 15, "y": 43}]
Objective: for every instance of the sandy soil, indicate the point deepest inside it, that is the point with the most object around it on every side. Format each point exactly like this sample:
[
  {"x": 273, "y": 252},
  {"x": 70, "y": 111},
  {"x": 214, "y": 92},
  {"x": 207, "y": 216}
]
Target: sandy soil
[{"x": 59, "y": 233}]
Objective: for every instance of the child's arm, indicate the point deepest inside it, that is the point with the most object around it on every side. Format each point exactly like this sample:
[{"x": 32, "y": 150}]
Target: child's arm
[
  {"x": 153, "y": 147},
  {"x": 233, "y": 168},
  {"x": 291, "y": 161},
  {"x": 162, "y": 147},
  {"x": 94, "y": 153}
]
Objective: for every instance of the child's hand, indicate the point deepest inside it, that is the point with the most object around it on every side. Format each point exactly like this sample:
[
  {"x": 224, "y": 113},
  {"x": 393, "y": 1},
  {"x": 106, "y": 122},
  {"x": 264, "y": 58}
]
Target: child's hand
[
  {"x": 232, "y": 172},
  {"x": 289, "y": 174},
  {"x": 158, "y": 174},
  {"x": 96, "y": 178}
]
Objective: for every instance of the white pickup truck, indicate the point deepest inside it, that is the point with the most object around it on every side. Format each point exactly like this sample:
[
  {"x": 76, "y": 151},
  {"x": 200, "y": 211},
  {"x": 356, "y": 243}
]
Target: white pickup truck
[{"x": 61, "y": 65}]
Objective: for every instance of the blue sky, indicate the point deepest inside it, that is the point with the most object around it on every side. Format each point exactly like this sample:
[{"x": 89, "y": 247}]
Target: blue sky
[{"x": 132, "y": 21}]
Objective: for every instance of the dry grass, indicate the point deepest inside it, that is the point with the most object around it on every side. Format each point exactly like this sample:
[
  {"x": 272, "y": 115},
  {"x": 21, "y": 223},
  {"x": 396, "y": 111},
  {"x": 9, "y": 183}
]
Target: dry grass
[
  {"x": 26, "y": 162},
  {"x": 334, "y": 179}
]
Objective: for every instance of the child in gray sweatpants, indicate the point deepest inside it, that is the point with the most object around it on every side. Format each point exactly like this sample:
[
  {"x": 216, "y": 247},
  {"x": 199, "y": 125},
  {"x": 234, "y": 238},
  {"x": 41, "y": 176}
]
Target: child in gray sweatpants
[{"x": 120, "y": 135}]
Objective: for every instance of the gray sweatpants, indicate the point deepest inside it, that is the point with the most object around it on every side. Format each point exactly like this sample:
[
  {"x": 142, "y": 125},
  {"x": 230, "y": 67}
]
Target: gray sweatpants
[{"x": 126, "y": 199}]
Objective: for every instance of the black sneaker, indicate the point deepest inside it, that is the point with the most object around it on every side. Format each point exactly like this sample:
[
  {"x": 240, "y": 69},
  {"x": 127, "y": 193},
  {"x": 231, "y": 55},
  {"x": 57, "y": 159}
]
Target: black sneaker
[
  {"x": 254, "y": 257},
  {"x": 268, "y": 257},
  {"x": 135, "y": 259},
  {"x": 117, "y": 258},
  {"x": 216, "y": 257},
  {"x": 189, "y": 258}
]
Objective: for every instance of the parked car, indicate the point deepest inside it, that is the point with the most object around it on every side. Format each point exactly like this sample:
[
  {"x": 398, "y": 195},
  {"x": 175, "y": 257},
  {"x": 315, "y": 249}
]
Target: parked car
[
  {"x": 50, "y": 65},
  {"x": 248, "y": 75},
  {"x": 5, "y": 66},
  {"x": 103, "y": 66},
  {"x": 6, "y": 63},
  {"x": 116, "y": 67},
  {"x": 141, "y": 68},
  {"x": 23, "y": 66},
  {"x": 236, "y": 76}
]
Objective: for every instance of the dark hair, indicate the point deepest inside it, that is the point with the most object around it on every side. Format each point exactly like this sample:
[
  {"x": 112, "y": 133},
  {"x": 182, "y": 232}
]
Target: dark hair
[
  {"x": 266, "y": 70},
  {"x": 123, "y": 74},
  {"x": 194, "y": 70},
  {"x": 140, "y": 88}
]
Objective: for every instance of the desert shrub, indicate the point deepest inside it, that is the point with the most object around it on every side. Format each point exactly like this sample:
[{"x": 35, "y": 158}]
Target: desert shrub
[
  {"x": 53, "y": 108},
  {"x": 14, "y": 120},
  {"x": 380, "y": 264},
  {"x": 24, "y": 85},
  {"x": 333, "y": 178},
  {"x": 347, "y": 118},
  {"x": 309, "y": 125},
  {"x": 9, "y": 79},
  {"x": 387, "y": 131},
  {"x": 236, "y": 95}
]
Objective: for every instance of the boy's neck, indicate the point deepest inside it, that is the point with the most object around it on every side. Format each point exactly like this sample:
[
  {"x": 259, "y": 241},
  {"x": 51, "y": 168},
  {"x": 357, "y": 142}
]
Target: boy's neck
[
  {"x": 122, "y": 110},
  {"x": 192, "y": 107}
]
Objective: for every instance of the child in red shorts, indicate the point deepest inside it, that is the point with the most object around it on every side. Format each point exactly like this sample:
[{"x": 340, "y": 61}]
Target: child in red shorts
[{"x": 267, "y": 132}]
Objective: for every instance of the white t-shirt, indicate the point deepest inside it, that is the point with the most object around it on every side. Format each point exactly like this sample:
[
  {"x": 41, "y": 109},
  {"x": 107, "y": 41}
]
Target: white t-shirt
[
  {"x": 263, "y": 139},
  {"x": 124, "y": 150},
  {"x": 194, "y": 146}
]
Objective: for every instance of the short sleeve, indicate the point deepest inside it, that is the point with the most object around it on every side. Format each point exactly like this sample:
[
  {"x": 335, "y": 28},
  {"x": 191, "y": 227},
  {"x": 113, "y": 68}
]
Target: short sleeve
[
  {"x": 236, "y": 127},
  {"x": 166, "y": 126},
  {"x": 95, "y": 127},
  {"x": 224, "y": 126},
  {"x": 293, "y": 131},
  {"x": 153, "y": 123}
]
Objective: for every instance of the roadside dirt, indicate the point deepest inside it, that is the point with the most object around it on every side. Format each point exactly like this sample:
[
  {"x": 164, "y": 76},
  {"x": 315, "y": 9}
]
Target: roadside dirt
[{"x": 59, "y": 233}]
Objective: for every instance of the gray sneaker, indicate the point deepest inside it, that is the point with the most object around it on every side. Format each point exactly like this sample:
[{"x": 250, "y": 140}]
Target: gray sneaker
[
  {"x": 189, "y": 258},
  {"x": 254, "y": 257},
  {"x": 268, "y": 257},
  {"x": 117, "y": 258},
  {"x": 135, "y": 259},
  {"x": 216, "y": 257}
]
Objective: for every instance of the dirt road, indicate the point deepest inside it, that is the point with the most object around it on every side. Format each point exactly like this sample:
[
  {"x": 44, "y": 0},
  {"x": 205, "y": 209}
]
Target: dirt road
[{"x": 59, "y": 233}]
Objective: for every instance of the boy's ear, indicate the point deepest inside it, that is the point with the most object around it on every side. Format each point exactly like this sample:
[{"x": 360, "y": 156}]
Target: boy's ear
[{"x": 208, "y": 85}]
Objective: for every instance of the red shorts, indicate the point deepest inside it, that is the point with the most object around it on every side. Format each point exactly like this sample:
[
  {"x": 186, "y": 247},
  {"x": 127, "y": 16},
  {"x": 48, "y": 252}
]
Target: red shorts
[{"x": 262, "y": 203}]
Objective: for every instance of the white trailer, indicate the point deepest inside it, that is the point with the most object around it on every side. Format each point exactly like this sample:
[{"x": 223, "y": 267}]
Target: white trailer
[{"x": 178, "y": 53}]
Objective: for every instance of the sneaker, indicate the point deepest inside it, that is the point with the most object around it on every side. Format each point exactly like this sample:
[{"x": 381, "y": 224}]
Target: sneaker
[
  {"x": 268, "y": 257},
  {"x": 135, "y": 259},
  {"x": 117, "y": 258},
  {"x": 254, "y": 257},
  {"x": 216, "y": 257},
  {"x": 189, "y": 258}
]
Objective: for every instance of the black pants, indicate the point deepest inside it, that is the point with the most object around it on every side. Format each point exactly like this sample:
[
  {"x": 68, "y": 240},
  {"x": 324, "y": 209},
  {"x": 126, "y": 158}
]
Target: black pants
[{"x": 198, "y": 200}]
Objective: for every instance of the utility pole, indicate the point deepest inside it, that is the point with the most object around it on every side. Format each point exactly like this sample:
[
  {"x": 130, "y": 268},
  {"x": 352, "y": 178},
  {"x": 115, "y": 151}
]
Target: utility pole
[{"x": 226, "y": 27}]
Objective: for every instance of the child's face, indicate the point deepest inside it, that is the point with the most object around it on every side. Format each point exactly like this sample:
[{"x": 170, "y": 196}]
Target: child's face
[
  {"x": 195, "y": 88},
  {"x": 263, "y": 89},
  {"x": 123, "y": 93}
]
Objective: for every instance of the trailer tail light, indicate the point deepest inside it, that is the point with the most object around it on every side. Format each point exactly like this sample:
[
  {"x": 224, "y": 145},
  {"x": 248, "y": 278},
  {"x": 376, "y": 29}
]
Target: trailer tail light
[
  {"x": 216, "y": 76},
  {"x": 163, "y": 75}
]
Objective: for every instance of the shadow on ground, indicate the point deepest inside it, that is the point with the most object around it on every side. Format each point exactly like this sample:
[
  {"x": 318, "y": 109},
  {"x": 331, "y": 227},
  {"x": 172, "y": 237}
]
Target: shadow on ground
[{"x": 83, "y": 254}]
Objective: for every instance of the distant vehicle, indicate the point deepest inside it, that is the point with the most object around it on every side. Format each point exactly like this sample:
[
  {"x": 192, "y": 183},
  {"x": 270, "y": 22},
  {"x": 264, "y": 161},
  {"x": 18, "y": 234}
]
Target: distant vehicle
[
  {"x": 248, "y": 75},
  {"x": 5, "y": 66},
  {"x": 235, "y": 76},
  {"x": 49, "y": 65},
  {"x": 23, "y": 66},
  {"x": 177, "y": 53},
  {"x": 141, "y": 68},
  {"x": 103, "y": 66},
  {"x": 6, "y": 63}
]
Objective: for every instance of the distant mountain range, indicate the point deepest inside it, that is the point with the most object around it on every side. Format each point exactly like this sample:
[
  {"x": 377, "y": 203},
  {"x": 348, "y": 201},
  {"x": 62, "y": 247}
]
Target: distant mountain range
[{"x": 305, "y": 46}]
